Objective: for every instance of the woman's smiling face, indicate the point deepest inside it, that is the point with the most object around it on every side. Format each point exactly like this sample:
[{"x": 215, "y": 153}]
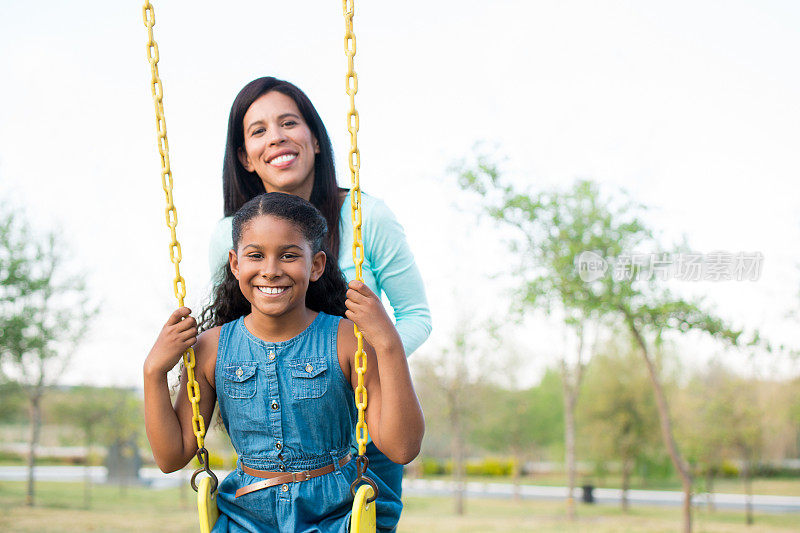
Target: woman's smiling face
[
  {"x": 278, "y": 145},
  {"x": 274, "y": 264}
]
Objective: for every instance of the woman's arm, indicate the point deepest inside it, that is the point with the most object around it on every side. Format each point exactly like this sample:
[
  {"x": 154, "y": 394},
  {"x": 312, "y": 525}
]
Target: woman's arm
[
  {"x": 396, "y": 273},
  {"x": 394, "y": 416},
  {"x": 169, "y": 428}
]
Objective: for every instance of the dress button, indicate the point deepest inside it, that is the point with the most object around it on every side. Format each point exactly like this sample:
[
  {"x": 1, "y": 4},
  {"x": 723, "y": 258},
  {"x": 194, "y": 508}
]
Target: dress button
[
  {"x": 309, "y": 368},
  {"x": 285, "y": 487},
  {"x": 239, "y": 372},
  {"x": 271, "y": 355},
  {"x": 278, "y": 445},
  {"x": 282, "y": 468},
  {"x": 274, "y": 405}
]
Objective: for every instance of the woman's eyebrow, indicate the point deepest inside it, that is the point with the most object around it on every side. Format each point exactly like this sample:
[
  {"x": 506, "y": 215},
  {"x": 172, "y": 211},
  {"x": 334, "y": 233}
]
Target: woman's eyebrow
[{"x": 283, "y": 116}]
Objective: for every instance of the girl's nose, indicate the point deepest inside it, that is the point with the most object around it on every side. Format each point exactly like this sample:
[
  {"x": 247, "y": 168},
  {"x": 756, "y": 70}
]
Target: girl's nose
[{"x": 271, "y": 269}]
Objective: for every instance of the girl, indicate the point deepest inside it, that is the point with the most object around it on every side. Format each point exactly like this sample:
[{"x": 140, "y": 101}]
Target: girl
[
  {"x": 277, "y": 142},
  {"x": 279, "y": 358}
]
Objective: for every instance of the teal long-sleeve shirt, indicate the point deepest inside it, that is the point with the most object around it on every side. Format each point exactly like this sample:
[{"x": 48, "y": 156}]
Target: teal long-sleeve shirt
[{"x": 388, "y": 268}]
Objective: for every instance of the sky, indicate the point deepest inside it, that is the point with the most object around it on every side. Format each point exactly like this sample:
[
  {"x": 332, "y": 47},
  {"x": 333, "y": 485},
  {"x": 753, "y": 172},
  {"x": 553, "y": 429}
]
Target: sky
[{"x": 691, "y": 107}]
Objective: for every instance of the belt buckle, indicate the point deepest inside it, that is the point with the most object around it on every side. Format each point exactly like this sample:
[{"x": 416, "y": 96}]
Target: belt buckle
[{"x": 298, "y": 477}]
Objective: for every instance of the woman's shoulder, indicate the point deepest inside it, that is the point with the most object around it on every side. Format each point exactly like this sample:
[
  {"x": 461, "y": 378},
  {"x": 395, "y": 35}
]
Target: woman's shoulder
[
  {"x": 223, "y": 227},
  {"x": 373, "y": 208}
]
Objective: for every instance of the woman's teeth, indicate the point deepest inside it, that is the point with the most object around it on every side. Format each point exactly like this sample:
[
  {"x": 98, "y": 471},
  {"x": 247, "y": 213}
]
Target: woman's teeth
[
  {"x": 281, "y": 159},
  {"x": 271, "y": 290}
]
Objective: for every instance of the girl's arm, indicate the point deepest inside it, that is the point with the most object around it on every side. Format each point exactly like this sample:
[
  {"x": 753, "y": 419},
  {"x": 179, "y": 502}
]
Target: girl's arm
[
  {"x": 169, "y": 428},
  {"x": 394, "y": 416}
]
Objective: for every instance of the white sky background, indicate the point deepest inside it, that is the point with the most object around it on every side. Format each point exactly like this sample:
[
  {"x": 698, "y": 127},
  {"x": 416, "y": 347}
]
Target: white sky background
[{"x": 690, "y": 106}]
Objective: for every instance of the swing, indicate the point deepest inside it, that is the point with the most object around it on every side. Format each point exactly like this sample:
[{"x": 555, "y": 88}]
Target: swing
[{"x": 363, "y": 518}]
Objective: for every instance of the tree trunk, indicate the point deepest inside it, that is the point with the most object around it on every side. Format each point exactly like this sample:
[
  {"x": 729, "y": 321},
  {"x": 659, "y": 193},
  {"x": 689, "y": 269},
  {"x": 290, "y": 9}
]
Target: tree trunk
[
  {"x": 627, "y": 467},
  {"x": 748, "y": 491},
  {"x": 666, "y": 428},
  {"x": 516, "y": 469},
  {"x": 458, "y": 459},
  {"x": 35, "y": 418},
  {"x": 87, "y": 478},
  {"x": 710, "y": 489},
  {"x": 571, "y": 382},
  {"x": 569, "y": 444}
]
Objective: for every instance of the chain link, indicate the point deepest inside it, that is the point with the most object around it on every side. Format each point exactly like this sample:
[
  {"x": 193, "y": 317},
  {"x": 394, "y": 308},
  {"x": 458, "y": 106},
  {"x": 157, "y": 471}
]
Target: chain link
[
  {"x": 354, "y": 160},
  {"x": 175, "y": 255}
]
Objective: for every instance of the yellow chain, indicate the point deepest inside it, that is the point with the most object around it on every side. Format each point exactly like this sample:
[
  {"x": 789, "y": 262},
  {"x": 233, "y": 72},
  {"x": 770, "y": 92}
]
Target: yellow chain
[
  {"x": 179, "y": 284},
  {"x": 354, "y": 159}
]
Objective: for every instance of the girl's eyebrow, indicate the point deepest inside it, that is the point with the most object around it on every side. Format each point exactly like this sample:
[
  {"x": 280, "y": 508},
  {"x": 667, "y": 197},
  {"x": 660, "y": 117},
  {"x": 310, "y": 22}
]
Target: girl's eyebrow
[{"x": 284, "y": 247}]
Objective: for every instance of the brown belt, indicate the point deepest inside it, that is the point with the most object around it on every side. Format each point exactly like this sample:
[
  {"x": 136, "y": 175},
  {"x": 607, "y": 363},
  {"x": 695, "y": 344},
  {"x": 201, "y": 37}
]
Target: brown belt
[{"x": 277, "y": 478}]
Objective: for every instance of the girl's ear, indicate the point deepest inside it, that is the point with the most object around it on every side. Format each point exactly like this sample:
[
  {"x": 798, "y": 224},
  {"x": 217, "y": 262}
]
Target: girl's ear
[
  {"x": 233, "y": 261},
  {"x": 244, "y": 160},
  {"x": 318, "y": 266}
]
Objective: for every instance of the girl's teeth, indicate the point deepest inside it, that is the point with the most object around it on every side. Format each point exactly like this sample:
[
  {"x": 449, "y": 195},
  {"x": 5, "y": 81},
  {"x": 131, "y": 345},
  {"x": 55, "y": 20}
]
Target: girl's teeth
[
  {"x": 272, "y": 290},
  {"x": 283, "y": 159}
]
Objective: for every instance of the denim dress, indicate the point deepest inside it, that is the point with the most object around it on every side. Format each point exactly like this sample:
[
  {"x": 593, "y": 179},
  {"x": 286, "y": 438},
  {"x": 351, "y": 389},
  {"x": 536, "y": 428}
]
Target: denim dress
[{"x": 287, "y": 406}]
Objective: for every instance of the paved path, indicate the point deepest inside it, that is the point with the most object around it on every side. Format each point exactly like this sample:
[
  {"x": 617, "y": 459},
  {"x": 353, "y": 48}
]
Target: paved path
[
  {"x": 786, "y": 504},
  {"x": 421, "y": 487}
]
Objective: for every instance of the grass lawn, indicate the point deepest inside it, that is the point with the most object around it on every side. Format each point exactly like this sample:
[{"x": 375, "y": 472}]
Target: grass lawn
[{"x": 140, "y": 510}]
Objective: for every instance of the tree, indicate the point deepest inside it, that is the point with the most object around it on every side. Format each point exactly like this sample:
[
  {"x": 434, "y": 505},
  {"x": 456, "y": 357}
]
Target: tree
[
  {"x": 562, "y": 238},
  {"x": 551, "y": 230},
  {"x": 106, "y": 416},
  {"x": 44, "y": 313},
  {"x": 450, "y": 380},
  {"x": 617, "y": 410},
  {"x": 522, "y": 423}
]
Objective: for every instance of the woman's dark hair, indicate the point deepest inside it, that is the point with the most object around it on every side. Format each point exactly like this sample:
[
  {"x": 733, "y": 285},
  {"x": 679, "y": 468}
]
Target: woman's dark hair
[
  {"x": 327, "y": 294},
  {"x": 239, "y": 185}
]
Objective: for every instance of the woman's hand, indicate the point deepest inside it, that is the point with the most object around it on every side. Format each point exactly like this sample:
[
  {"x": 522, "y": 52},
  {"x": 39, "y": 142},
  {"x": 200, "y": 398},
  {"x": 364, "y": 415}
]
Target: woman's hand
[
  {"x": 365, "y": 309},
  {"x": 178, "y": 335}
]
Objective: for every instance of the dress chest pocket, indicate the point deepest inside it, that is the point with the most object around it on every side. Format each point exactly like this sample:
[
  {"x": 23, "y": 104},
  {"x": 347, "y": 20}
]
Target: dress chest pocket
[
  {"x": 309, "y": 378},
  {"x": 240, "y": 380}
]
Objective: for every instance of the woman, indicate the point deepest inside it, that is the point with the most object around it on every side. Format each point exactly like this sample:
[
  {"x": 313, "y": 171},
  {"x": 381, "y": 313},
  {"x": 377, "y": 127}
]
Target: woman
[{"x": 277, "y": 143}]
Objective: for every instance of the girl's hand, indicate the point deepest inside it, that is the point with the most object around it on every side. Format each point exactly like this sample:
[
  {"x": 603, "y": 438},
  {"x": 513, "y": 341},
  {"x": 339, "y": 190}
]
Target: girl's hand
[
  {"x": 365, "y": 309},
  {"x": 178, "y": 335}
]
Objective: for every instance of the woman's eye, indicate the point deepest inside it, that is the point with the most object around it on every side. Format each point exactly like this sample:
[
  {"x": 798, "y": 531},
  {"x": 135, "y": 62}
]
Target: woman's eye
[
  {"x": 257, "y": 131},
  {"x": 289, "y": 123}
]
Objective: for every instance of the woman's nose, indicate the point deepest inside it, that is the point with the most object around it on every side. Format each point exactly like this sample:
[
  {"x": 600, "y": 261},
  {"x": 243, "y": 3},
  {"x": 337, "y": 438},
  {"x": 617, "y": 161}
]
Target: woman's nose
[{"x": 276, "y": 137}]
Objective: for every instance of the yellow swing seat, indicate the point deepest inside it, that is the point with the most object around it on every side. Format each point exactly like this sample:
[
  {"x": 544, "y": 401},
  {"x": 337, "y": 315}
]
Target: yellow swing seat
[{"x": 207, "y": 505}]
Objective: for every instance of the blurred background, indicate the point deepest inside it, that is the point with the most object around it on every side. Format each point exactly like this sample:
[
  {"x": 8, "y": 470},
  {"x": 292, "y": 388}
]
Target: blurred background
[{"x": 602, "y": 197}]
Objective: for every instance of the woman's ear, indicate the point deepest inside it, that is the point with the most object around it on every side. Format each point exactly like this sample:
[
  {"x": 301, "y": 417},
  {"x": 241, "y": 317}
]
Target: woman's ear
[
  {"x": 244, "y": 160},
  {"x": 317, "y": 266},
  {"x": 233, "y": 261}
]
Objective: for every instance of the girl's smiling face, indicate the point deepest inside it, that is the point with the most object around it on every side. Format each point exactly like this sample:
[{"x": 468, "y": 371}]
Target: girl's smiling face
[
  {"x": 278, "y": 145},
  {"x": 274, "y": 264}
]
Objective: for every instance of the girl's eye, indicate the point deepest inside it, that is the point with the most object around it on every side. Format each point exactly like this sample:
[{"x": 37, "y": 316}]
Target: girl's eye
[
  {"x": 289, "y": 256},
  {"x": 254, "y": 255}
]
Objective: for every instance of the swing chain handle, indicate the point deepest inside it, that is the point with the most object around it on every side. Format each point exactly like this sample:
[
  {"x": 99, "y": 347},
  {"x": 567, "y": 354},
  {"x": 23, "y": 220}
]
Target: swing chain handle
[
  {"x": 202, "y": 457},
  {"x": 362, "y": 463}
]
